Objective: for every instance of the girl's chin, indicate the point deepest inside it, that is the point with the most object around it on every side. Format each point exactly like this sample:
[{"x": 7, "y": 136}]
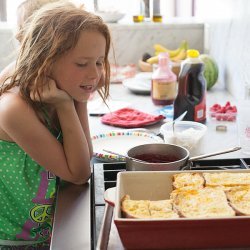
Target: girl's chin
[{"x": 82, "y": 99}]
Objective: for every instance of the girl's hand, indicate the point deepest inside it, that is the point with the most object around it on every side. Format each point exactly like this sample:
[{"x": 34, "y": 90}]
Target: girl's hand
[{"x": 50, "y": 94}]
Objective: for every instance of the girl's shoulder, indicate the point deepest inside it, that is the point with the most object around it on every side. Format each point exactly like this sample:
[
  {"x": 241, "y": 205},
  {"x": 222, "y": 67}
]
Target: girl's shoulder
[
  {"x": 12, "y": 99},
  {"x": 12, "y": 105}
]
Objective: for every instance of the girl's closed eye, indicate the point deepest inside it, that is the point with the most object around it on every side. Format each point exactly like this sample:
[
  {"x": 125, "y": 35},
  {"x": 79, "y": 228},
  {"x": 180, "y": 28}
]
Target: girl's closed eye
[{"x": 81, "y": 64}]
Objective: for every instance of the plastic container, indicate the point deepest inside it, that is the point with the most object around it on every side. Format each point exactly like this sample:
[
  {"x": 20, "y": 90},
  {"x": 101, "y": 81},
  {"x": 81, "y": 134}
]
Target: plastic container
[
  {"x": 192, "y": 89},
  {"x": 223, "y": 117},
  {"x": 164, "y": 82},
  {"x": 185, "y": 133},
  {"x": 221, "y": 113}
]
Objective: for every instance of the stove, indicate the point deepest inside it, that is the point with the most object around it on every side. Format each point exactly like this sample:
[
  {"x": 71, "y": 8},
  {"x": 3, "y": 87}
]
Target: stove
[{"x": 104, "y": 176}]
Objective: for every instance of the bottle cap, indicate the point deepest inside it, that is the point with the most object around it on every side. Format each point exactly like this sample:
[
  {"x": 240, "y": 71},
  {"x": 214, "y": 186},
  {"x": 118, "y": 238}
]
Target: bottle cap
[
  {"x": 193, "y": 53},
  {"x": 163, "y": 58},
  {"x": 164, "y": 71}
]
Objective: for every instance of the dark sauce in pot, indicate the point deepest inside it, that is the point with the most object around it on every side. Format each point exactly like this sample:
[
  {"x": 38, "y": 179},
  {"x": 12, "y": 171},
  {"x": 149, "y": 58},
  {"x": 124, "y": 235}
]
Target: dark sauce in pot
[{"x": 156, "y": 158}]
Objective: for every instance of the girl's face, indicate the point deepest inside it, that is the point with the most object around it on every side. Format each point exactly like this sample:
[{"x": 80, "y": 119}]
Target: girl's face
[{"x": 80, "y": 69}]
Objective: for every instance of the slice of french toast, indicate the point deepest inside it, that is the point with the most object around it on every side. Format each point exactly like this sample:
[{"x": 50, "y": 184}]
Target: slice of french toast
[
  {"x": 162, "y": 209},
  {"x": 135, "y": 208},
  {"x": 192, "y": 180},
  {"x": 239, "y": 199},
  {"x": 226, "y": 179},
  {"x": 202, "y": 203},
  {"x": 144, "y": 209}
]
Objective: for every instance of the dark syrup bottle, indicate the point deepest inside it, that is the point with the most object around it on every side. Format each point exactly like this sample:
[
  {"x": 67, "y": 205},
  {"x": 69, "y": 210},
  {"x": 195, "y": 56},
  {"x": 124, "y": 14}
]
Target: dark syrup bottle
[{"x": 191, "y": 89}]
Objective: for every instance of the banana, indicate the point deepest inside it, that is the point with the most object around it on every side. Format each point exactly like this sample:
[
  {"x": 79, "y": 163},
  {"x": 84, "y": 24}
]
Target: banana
[
  {"x": 153, "y": 60},
  {"x": 159, "y": 49},
  {"x": 175, "y": 55},
  {"x": 180, "y": 56},
  {"x": 172, "y": 53}
]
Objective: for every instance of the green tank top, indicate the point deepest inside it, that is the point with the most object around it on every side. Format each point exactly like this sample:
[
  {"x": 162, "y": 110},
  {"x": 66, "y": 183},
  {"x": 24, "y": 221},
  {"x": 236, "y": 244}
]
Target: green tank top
[{"x": 27, "y": 201}]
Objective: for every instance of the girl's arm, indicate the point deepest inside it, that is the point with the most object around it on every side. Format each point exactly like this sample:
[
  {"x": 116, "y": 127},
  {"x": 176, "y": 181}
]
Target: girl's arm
[
  {"x": 81, "y": 109},
  {"x": 70, "y": 160}
]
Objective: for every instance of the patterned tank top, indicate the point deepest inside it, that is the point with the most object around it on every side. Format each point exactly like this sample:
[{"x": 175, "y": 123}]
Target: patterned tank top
[{"x": 27, "y": 201}]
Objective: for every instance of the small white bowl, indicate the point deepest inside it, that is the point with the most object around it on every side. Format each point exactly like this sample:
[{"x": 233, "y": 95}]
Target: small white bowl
[
  {"x": 110, "y": 16},
  {"x": 186, "y": 133}
]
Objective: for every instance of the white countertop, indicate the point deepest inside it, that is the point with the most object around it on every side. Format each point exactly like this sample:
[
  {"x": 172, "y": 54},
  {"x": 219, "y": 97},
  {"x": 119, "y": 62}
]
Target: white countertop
[
  {"x": 72, "y": 219},
  {"x": 212, "y": 141}
]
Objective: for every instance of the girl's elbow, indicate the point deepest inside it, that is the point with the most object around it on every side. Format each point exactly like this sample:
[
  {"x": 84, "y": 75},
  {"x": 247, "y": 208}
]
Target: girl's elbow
[{"x": 82, "y": 179}]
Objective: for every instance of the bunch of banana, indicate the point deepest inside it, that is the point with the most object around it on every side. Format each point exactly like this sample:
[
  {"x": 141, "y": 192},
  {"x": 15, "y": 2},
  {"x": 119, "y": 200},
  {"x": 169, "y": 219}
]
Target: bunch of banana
[{"x": 175, "y": 55}]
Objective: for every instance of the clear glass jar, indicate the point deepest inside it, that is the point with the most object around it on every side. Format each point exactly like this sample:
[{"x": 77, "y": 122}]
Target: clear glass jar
[
  {"x": 139, "y": 11},
  {"x": 157, "y": 17}
]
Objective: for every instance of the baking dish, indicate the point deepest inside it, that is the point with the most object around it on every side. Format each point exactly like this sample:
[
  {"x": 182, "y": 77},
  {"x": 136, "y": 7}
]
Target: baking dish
[{"x": 181, "y": 233}]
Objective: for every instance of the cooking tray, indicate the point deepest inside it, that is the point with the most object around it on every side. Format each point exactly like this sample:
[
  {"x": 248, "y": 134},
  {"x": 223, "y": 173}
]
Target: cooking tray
[{"x": 181, "y": 233}]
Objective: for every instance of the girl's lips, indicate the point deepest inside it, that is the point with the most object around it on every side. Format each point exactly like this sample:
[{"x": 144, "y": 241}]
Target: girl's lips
[{"x": 87, "y": 88}]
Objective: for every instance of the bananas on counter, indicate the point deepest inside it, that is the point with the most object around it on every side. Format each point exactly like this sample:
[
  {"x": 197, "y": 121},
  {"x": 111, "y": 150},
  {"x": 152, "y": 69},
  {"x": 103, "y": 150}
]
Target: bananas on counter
[{"x": 175, "y": 55}]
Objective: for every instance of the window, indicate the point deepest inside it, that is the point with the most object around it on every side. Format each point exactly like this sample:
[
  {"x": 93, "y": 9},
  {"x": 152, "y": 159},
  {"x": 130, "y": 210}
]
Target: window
[
  {"x": 3, "y": 12},
  {"x": 169, "y": 8}
]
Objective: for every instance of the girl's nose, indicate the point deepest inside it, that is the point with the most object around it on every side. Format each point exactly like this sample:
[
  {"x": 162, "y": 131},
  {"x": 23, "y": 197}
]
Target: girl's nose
[{"x": 93, "y": 73}]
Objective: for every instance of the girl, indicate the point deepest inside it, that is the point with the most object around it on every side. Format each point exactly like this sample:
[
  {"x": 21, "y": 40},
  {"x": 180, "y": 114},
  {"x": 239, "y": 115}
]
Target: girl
[{"x": 63, "y": 58}]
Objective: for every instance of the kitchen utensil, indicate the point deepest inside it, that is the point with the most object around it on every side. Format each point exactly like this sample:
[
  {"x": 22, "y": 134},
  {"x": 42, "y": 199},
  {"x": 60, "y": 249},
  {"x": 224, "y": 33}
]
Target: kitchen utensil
[
  {"x": 121, "y": 155},
  {"x": 179, "y": 118},
  {"x": 120, "y": 141},
  {"x": 178, "y": 157},
  {"x": 195, "y": 158}
]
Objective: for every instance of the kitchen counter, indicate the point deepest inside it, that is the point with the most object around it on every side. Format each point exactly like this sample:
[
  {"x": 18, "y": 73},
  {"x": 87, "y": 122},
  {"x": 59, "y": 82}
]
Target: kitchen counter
[{"x": 72, "y": 224}]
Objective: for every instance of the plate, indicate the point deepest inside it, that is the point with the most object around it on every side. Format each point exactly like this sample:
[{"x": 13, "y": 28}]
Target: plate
[
  {"x": 98, "y": 108},
  {"x": 138, "y": 85},
  {"x": 120, "y": 142}
]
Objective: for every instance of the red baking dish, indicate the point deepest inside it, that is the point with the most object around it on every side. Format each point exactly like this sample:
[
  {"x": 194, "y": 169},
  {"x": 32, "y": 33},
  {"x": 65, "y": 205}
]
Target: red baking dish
[{"x": 181, "y": 233}]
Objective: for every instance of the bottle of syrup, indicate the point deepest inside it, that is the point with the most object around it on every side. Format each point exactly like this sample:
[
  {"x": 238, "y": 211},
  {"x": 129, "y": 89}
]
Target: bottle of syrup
[
  {"x": 191, "y": 89},
  {"x": 164, "y": 82}
]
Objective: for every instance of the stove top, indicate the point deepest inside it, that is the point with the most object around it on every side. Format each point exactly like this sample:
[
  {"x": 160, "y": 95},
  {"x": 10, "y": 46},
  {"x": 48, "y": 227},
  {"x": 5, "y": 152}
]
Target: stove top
[{"x": 104, "y": 176}]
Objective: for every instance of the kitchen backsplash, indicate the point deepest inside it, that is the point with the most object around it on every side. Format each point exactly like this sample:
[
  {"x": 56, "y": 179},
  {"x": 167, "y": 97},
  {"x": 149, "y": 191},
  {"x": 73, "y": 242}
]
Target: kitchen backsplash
[{"x": 130, "y": 41}]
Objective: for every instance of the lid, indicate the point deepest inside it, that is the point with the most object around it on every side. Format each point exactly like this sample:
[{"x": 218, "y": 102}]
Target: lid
[
  {"x": 193, "y": 56},
  {"x": 192, "y": 53}
]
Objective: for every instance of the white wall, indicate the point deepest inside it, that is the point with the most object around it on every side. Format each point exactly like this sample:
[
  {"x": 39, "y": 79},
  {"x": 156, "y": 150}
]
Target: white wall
[
  {"x": 228, "y": 41},
  {"x": 8, "y": 45}
]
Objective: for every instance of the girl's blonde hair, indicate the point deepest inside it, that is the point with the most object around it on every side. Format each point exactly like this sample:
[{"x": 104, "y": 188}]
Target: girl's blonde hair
[
  {"x": 53, "y": 31},
  {"x": 25, "y": 10}
]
